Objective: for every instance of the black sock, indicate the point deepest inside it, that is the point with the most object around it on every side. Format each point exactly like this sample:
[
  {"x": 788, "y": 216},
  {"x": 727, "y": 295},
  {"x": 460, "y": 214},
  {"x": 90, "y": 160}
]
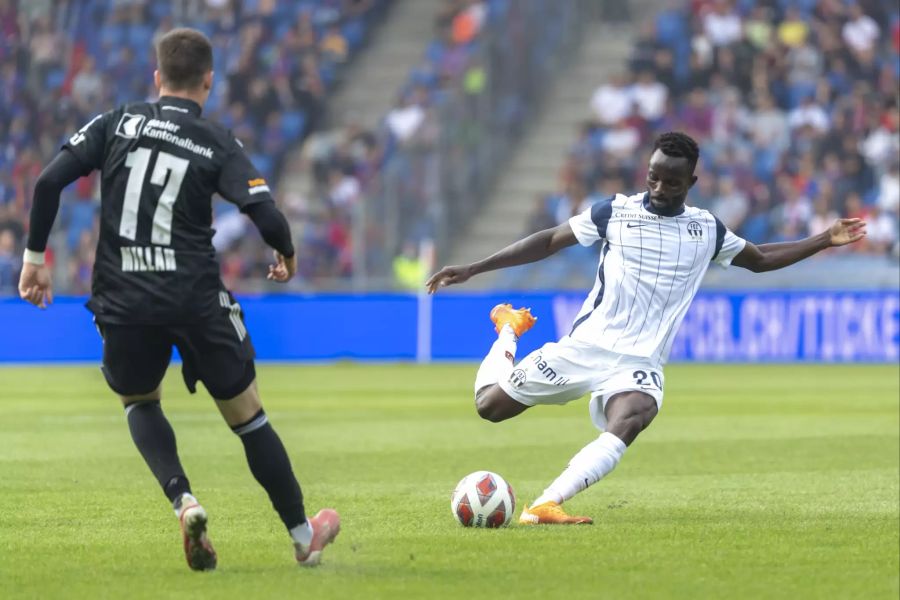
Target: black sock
[
  {"x": 154, "y": 437},
  {"x": 271, "y": 467}
]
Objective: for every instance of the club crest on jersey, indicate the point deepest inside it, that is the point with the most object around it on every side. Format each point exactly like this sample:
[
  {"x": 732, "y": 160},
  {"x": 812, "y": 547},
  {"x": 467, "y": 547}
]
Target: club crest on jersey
[
  {"x": 517, "y": 378},
  {"x": 130, "y": 126},
  {"x": 695, "y": 230}
]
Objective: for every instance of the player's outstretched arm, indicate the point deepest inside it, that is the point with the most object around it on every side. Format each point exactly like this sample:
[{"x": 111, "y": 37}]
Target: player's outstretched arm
[
  {"x": 533, "y": 248},
  {"x": 35, "y": 284},
  {"x": 770, "y": 257}
]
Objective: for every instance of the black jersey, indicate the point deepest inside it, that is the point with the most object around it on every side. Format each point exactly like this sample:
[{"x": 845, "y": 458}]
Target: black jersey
[{"x": 160, "y": 165}]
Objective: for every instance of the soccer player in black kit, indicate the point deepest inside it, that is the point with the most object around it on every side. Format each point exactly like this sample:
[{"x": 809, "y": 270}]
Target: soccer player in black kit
[{"x": 156, "y": 280}]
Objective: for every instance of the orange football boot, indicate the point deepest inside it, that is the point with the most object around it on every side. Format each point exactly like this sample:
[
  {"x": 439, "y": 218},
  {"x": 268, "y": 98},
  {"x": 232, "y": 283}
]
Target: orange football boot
[
  {"x": 550, "y": 513},
  {"x": 197, "y": 548},
  {"x": 521, "y": 319},
  {"x": 325, "y": 525}
]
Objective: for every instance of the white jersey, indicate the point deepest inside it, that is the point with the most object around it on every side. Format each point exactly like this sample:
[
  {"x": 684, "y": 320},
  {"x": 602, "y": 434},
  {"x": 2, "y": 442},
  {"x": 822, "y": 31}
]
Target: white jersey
[{"x": 651, "y": 265}]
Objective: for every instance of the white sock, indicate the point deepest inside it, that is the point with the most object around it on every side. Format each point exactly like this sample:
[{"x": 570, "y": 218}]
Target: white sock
[
  {"x": 181, "y": 501},
  {"x": 302, "y": 534},
  {"x": 586, "y": 468},
  {"x": 499, "y": 360}
]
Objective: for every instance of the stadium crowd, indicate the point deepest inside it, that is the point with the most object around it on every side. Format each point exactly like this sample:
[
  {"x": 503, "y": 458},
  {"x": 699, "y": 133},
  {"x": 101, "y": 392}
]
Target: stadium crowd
[
  {"x": 794, "y": 104},
  {"x": 436, "y": 125},
  {"x": 62, "y": 61}
]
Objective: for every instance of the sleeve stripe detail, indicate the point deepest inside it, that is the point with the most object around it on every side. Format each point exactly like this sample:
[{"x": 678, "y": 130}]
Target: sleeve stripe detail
[
  {"x": 720, "y": 236},
  {"x": 601, "y": 212}
]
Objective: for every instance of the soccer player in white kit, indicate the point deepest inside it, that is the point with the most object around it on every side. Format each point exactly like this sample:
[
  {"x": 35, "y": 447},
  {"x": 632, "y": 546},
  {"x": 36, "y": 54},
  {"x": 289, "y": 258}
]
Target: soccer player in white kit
[{"x": 654, "y": 253}]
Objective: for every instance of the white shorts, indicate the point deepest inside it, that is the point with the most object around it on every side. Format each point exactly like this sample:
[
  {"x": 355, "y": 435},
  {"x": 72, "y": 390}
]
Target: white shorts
[{"x": 560, "y": 372}]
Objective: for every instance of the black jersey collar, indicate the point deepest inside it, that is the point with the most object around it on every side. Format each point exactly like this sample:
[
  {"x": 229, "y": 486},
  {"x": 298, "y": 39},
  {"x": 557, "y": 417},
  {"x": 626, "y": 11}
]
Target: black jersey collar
[
  {"x": 180, "y": 105},
  {"x": 648, "y": 206}
]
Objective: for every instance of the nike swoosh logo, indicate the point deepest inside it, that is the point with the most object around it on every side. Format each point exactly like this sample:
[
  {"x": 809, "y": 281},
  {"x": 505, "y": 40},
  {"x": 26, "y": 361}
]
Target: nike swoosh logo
[{"x": 633, "y": 225}]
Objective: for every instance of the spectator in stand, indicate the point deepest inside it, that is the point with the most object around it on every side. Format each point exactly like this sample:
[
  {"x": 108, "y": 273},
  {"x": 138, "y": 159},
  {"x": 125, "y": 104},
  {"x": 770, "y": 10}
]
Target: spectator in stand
[
  {"x": 795, "y": 104},
  {"x": 540, "y": 217},
  {"x": 612, "y": 101},
  {"x": 793, "y": 29},
  {"x": 860, "y": 32},
  {"x": 722, "y": 25},
  {"x": 9, "y": 262},
  {"x": 60, "y": 60},
  {"x": 87, "y": 86},
  {"x": 758, "y": 27},
  {"x": 889, "y": 190},
  {"x": 334, "y": 45},
  {"x": 407, "y": 116},
  {"x": 882, "y": 236},
  {"x": 696, "y": 114},
  {"x": 730, "y": 204},
  {"x": 621, "y": 142},
  {"x": 409, "y": 270},
  {"x": 650, "y": 97},
  {"x": 809, "y": 114}
]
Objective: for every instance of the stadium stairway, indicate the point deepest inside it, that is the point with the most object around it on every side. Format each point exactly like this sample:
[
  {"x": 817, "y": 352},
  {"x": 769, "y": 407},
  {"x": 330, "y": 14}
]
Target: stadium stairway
[
  {"x": 376, "y": 76},
  {"x": 536, "y": 163},
  {"x": 373, "y": 80}
]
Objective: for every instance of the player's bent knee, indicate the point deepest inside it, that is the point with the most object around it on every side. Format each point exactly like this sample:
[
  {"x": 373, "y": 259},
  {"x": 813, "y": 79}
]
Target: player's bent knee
[
  {"x": 492, "y": 404},
  {"x": 153, "y": 396},
  {"x": 629, "y": 414},
  {"x": 241, "y": 408},
  {"x": 487, "y": 411}
]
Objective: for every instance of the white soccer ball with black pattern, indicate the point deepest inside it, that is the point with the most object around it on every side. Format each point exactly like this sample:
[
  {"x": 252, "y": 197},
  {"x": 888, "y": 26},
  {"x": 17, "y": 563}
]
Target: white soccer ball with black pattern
[{"x": 483, "y": 499}]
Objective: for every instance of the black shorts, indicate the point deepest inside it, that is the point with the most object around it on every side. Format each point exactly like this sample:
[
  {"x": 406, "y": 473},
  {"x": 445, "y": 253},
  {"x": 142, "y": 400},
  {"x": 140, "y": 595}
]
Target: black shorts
[{"x": 216, "y": 351}]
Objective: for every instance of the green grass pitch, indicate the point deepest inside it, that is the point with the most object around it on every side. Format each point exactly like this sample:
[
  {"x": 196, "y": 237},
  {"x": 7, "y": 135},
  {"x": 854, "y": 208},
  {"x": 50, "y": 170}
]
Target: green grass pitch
[{"x": 754, "y": 482}]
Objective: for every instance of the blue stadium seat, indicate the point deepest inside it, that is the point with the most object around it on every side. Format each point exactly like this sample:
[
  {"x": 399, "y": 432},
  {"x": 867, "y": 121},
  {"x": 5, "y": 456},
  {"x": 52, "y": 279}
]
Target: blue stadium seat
[
  {"x": 55, "y": 79},
  {"x": 756, "y": 228},
  {"x": 293, "y": 123},
  {"x": 805, "y": 7},
  {"x": 328, "y": 72},
  {"x": 282, "y": 27},
  {"x": 113, "y": 36},
  {"x": 435, "y": 51},
  {"x": 498, "y": 10},
  {"x": 671, "y": 27},
  {"x": 160, "y": 10},
  {"x": 798, "y": 91},
  {"x": 80, "y": 218},
  {"x": 355, "y": 33},
  {"x": 140, "y": 36},
  {"x": 264, "y": 163}
]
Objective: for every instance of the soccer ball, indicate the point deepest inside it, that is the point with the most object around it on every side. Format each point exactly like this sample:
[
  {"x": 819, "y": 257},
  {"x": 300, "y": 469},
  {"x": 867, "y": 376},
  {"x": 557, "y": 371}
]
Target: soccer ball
[{"x": 483, "y": 499}]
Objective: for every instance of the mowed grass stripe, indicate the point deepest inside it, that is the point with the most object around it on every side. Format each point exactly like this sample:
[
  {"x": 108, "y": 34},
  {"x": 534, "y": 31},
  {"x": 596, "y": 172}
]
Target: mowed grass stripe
[{"x": 755, "y": 481}]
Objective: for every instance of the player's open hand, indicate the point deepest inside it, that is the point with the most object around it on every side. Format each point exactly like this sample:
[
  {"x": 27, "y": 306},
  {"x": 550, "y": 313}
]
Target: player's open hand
[
  {"x": 448, "y": 276},
  {"x": 283, "y": 269},
  {"x": 847, "y": 231},
  {"x": 35, "y": 285}
]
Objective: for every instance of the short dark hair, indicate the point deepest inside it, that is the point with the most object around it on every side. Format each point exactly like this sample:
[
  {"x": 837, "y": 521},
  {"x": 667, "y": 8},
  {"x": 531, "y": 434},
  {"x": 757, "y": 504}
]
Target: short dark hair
[
  {"x": 678, "y": 145},
  {"x": 184, "y": 57}
]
